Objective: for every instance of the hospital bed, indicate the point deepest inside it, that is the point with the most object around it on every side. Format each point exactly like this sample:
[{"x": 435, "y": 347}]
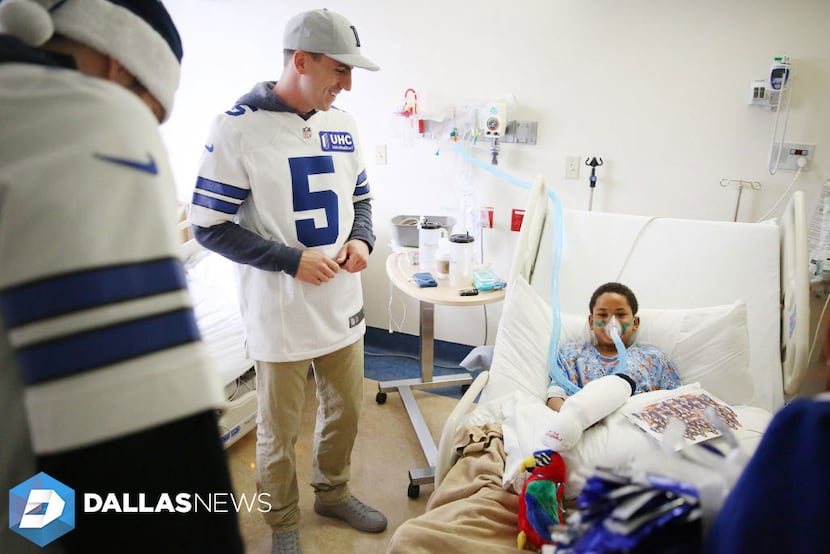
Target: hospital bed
[
  {"x": 211, "y": 282},
  {"x": 728, "y": 302}
]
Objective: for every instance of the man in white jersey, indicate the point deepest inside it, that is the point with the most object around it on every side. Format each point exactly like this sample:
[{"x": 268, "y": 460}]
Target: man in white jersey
[
  {"x": 105, "y": 384},
  {"x": 282, "y": 191}
]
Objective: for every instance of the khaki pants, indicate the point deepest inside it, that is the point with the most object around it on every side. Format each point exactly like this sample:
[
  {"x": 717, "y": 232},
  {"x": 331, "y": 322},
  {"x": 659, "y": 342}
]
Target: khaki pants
[{"x": 281, "y": 398}]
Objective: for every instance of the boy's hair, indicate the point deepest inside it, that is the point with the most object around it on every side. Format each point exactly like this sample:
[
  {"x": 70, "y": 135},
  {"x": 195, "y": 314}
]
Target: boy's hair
[{"x": 617, "y": 288}]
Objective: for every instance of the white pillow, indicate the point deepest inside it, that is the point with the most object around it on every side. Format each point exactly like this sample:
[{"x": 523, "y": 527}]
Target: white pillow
[
  {"x": 707, "y": 345},
  {"x": 520, "y": 351}
]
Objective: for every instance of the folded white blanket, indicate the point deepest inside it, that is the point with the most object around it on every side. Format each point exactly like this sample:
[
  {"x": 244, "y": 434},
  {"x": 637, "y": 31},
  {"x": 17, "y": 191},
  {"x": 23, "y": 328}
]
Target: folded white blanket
[{"x": 613, "y": 443}]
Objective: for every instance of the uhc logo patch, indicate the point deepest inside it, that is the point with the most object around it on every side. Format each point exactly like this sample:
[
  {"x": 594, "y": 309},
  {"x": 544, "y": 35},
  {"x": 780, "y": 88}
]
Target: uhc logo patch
[
  {"x": 41, "y": 509},
  {"x": 333, "y": 141}
]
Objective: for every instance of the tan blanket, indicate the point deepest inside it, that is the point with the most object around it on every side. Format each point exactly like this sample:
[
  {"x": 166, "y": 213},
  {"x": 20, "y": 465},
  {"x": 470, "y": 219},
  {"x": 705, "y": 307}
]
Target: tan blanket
[{"x": 470, "y": 511}]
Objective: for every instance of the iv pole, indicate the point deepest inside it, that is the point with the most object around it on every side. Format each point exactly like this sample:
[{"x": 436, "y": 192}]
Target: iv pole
[{"x": 754, "y": 185}]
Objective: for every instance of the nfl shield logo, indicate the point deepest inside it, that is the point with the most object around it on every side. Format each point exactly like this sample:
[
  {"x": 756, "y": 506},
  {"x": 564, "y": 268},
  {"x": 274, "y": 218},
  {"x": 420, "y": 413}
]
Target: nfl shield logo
[{"x": 306, "y": 133}]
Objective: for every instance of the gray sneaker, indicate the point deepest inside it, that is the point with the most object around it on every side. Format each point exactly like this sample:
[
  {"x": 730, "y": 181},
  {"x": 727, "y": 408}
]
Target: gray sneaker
[
  {"x": 355, "y": 513},
  {"x": 286, "y": 543}
]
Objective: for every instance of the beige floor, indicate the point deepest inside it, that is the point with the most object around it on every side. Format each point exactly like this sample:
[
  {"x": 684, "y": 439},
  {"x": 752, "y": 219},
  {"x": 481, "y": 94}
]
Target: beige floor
[
  {"x": 385, "y": 450},
  {"x": 816, "y": 379}
]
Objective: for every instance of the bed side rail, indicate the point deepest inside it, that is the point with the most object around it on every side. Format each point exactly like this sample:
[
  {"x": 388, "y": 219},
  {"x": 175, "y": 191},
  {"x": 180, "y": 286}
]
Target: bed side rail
[
  {"x": 446, "y": 454},
  {"x": 795, "y": 294}
]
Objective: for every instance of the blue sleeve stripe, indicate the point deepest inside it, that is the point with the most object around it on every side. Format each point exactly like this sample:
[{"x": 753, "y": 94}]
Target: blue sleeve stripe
[
  {"x": 224, "y": 189},
  {"x": 214, "y": 204},
  {"x": 362, "y": 185},
  {"x": 71, "y": 355},
  {"x": 64, "y": 294}
]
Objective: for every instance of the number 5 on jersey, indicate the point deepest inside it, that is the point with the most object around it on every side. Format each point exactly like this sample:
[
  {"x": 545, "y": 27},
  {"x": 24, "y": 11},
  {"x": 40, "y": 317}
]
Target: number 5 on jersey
[{"x": 306, "y": 200}]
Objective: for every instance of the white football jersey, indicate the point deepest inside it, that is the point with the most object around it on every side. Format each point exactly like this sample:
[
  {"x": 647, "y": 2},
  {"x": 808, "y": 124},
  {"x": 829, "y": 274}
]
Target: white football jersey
[
  {"x": 92, "y": 294},
  {"x": 293, "y": 181}
]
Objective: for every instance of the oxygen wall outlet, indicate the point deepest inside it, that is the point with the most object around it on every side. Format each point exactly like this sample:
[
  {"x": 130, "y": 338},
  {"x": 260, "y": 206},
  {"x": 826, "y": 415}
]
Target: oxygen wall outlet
[{"x": 495, "y": 119}]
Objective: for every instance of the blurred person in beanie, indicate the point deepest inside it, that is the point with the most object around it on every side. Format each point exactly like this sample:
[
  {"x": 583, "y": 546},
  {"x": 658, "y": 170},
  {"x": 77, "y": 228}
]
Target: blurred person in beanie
[
  {"x": 283, "y": 192},
  {"x": 105, "y": 384}
]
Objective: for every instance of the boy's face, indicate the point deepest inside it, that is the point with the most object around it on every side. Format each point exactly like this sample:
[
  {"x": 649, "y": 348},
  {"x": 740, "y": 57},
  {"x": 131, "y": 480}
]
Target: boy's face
[{"x": 613, "y": 304}]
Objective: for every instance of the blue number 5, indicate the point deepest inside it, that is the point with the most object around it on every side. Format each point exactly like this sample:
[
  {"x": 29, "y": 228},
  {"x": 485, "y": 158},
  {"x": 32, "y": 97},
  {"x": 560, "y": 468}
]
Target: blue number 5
[{"x": 305, "y": 199}]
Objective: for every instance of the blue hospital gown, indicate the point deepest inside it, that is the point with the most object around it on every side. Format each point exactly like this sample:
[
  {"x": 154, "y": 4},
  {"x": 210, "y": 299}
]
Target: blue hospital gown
[{"x": 650, "y": 368}]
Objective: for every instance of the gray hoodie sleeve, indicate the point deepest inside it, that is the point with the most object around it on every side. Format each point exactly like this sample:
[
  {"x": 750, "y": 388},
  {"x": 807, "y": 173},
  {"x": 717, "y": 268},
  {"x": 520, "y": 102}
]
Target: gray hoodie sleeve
[
  {"x": 362, "y": 227},
  {"x": 246, "y": 247}
]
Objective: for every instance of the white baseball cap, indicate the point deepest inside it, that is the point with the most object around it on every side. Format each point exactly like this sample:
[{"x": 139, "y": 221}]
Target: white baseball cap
[{"x": 326, "y": 32}]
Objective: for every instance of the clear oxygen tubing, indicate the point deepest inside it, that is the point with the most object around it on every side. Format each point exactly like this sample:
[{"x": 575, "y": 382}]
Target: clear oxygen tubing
[{"x": 556, "y": 375}]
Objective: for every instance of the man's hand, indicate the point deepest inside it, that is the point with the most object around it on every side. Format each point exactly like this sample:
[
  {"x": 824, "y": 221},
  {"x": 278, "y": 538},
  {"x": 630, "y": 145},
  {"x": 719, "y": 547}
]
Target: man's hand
[
  {"x": 315, "y": 268},
  {"x": 354, "y": 256}
]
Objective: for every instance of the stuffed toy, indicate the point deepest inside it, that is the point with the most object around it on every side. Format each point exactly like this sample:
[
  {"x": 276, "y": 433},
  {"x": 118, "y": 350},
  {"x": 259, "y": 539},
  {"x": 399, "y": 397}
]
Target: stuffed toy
[{"x": 540, "y": 503}]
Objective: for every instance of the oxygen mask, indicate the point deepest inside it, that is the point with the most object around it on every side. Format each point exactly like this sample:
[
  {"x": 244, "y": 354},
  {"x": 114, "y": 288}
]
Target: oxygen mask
[{"x": 614, "y": 329}]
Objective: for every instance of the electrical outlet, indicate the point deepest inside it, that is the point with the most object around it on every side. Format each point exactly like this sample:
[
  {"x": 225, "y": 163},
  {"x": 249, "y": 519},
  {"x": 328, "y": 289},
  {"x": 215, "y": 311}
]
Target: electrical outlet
[
  {"x": 572, "y": 167},
  {"x": 786, "y": 156},
  {"x": 380, "y": 154}
]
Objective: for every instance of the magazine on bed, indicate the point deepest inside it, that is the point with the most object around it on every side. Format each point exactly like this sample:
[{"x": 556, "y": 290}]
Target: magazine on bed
[{"x": 686, "y": 403}]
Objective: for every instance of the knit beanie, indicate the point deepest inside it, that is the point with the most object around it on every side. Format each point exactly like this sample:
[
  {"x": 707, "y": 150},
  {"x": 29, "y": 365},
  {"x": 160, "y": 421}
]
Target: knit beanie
[{"x": 138, "y": 33}]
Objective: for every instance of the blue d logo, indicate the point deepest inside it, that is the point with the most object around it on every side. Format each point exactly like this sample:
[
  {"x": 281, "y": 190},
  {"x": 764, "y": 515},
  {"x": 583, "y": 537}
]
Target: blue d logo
[{"x": 41, "y": 509}]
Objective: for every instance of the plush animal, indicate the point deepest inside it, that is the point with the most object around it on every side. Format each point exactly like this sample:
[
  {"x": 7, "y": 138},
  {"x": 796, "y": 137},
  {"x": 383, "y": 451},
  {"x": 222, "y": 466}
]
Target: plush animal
[{"x": 540, "y": 504}]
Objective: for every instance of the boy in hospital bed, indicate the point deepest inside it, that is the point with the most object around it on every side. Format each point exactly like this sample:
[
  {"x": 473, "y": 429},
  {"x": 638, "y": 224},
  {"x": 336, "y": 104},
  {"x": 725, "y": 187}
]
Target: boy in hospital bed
[{"x": 591, "y": 381}]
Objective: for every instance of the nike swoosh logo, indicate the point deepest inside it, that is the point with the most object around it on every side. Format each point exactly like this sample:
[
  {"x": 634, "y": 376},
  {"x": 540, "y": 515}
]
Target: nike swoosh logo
[
  {"x": 209, "y": 147},
  {"x": 147, "y": 167}
]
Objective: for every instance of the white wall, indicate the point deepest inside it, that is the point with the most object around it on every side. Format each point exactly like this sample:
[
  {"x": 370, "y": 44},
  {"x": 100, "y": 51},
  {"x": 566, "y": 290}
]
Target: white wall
[{"x": 658, "y": 89}]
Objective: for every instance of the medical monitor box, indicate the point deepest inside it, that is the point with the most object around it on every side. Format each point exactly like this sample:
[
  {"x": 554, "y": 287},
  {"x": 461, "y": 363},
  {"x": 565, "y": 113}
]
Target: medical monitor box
[{"x": 405, "y": 227}]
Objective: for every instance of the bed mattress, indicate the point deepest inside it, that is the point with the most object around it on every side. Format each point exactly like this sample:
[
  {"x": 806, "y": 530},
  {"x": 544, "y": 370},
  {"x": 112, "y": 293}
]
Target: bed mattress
[{"x": 211, "y": 281}]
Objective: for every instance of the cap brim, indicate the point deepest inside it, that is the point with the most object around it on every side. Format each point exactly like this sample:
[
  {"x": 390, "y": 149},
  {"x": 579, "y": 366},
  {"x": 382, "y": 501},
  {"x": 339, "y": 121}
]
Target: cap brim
[{"x": 354, "y": 60}]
